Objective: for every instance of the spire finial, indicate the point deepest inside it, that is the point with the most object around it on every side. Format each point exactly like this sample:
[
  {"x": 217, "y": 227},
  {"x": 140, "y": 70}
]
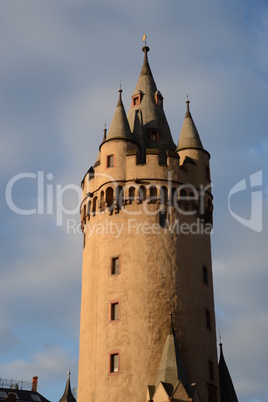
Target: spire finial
[
  {"x": 220, "y": 337},
  {"x": 144, "y": 39},
  {"x": 120, "y": 91},
  {"x": 104, "y": 132},
  {"x": 145, "y": 48},
  {"x": 187, "y": 106},
  {"x": 120, "y": 95}
]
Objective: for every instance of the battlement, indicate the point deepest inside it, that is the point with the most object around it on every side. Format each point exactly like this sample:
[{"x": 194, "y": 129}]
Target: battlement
[{"x": 166, "y": 197}]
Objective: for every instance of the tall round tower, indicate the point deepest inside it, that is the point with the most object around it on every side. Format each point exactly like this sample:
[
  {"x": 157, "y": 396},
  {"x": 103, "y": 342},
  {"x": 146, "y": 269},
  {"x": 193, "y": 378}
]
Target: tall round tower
[{"x": 146, "y": 215}]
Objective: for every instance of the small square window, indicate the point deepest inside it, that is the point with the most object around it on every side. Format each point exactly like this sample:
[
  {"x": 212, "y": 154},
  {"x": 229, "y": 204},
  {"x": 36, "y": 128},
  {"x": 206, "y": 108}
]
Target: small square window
[
  {"x": 110, "y": 161},
  {"x": 205, "y": 275},
  {"x": 115, "y": 266},
  {"x": 114, "y": 311},
  {"x": 114, "y": 363},
  {"x": 154, "y": 135}
]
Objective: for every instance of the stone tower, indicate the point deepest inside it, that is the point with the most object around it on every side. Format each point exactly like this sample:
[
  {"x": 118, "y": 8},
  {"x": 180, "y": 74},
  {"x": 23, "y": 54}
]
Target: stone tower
[{"x": 147, "y": 307}]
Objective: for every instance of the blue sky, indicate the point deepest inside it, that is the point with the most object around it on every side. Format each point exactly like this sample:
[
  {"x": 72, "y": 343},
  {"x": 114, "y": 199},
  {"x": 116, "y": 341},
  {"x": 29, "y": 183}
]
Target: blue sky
[{"x": 61, "y": 65}]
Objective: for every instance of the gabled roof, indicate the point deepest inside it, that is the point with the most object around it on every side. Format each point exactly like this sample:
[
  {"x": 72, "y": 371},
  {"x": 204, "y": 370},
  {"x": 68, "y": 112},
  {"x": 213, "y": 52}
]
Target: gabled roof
[
  {"x": 68, "y": 395},
  {"x": 227, "y": 390},
  {"x": 189, "y": 137},
  {"x": 22, "y": 395}
]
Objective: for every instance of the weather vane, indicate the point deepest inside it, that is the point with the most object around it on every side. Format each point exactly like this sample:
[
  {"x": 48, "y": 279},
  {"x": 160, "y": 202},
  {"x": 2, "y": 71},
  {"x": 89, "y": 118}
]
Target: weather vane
[{"x": 144, "y": 39}]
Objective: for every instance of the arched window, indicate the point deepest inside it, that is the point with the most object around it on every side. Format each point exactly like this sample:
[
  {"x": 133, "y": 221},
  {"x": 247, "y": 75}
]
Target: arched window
[
  {"x": 94, "y": 206},
  {"x": 88, "y": 209},
  {"x": 131, "y": 194},
  {"x": 84, "y": 213},
  {"x": 153, "y": 195},
  {"x": 164, "y": 195},
  {"x": 119, "y": 196},
  {"x": 110, "y": 198},
  {"x": 102, "y": 204},
  {"x": 174, "y": 197},
  {"x": 142, "y": 193}
]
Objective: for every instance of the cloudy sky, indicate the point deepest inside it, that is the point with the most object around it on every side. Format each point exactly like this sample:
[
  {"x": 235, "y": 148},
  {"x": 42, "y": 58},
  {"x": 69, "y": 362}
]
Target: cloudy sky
[{"x": 61, "y": 65}]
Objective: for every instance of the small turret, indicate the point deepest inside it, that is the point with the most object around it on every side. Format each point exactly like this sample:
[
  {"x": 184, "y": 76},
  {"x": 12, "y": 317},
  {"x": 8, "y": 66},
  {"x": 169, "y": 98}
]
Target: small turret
[
  {"x": 171, "y": 380},
  {"x": 227, "y": 390},
  {"x": 189, "y": 137},
  {"x": 68, "y": 395},
  {"x": 117, "y": 142},
  {"x": 193, "y": 157},
  {"x": 119, "y": 127}
]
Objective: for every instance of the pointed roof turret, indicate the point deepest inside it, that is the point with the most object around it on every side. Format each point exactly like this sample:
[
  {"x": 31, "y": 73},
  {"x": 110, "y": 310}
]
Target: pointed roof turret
[
  {"x": 68, "y": 395},
  {"x": 171, "y": 369},
  {"x": 146, "y": 77},
  {"x": 119, "y": 127},
  {"x": 227, "y": 390},
  {"x": 146, "y": 115},
  {"x": 189, "y": 137}
]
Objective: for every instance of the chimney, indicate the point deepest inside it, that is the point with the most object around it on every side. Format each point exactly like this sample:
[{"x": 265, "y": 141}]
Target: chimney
[{"x": 34, "y": 383}]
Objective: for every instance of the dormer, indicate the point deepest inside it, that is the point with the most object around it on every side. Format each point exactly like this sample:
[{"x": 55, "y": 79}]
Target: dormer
[
  {"x": 136, "y": 98},
  {"x": 158, "y": 98},
  {"x": 153, "y": 134}
]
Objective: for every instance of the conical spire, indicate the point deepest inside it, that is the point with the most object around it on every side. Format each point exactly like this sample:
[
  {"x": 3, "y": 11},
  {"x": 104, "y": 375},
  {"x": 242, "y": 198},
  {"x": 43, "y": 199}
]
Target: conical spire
[
  {"x": 146, "y": 116},
  {"x": 119, "y": 127},
  {"x": 68, "y": 396},
  {"x": 146, "y": 77},
  {"x": 227, "y": 390},
  {"x": 171, "y": 369},
  {"x": 189, "y": 137}
]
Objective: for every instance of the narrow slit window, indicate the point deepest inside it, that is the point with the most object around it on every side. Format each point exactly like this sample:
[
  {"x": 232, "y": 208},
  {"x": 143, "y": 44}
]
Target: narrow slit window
[
  {"x": 115, "y": 266},
  {"x": 114, "y": 311},
  {"x": 114, "y": 363},
  {"x": 163, "y": 219},
  {"x": 110, "y": 161}
]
